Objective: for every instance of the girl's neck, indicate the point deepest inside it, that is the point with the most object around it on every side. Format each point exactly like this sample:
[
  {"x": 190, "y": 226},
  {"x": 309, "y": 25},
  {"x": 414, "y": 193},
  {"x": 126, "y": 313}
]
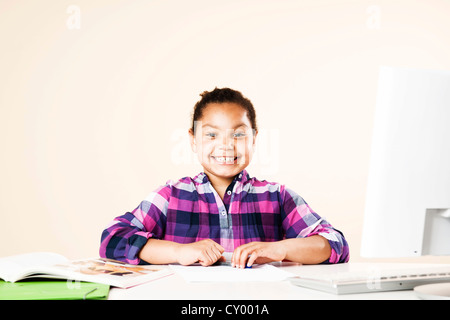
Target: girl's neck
[{"x": 219, "y": 184}]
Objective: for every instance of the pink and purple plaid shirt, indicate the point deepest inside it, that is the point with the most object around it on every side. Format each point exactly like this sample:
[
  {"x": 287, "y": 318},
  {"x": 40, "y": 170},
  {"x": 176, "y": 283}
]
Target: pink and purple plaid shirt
[{"x": 190, "y": 210}]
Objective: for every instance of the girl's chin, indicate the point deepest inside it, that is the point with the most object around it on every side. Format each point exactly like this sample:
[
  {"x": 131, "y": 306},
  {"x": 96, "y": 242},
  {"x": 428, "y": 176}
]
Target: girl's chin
[{"x": 223, "y": 171}]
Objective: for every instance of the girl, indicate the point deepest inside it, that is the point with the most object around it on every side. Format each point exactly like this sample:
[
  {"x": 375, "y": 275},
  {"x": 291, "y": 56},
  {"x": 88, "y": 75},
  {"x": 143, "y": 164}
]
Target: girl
[{"x": 223, "y": 209}]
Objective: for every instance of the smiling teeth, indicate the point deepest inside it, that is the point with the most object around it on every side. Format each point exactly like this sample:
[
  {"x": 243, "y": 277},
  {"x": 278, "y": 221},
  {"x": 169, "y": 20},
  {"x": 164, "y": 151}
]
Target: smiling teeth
[{"x": 225, "y": 159}]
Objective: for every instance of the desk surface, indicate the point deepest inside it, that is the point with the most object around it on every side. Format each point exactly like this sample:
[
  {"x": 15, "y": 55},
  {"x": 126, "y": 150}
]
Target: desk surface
[{"x": 174, "y": 287}]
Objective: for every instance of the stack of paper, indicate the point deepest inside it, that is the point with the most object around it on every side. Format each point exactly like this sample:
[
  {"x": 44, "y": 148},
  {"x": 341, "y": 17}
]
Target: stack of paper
[{"x": 262, "y": 272}]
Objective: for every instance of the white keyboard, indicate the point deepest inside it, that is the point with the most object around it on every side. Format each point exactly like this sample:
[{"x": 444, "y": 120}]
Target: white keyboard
[{"x": 373, "y": 279}]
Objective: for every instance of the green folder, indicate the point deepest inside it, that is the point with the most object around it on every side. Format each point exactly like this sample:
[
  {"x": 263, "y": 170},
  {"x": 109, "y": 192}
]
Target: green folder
[{"x": 52, "y": 290}]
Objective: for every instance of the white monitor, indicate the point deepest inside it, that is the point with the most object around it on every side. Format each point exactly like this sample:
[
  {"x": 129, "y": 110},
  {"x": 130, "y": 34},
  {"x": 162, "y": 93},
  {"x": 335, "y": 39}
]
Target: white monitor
[{"x": 407, "y": 211}]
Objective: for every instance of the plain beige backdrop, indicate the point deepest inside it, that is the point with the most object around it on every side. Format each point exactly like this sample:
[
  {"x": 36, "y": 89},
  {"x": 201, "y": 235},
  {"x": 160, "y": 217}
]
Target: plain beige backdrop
[{"x": 96, "y": 98}]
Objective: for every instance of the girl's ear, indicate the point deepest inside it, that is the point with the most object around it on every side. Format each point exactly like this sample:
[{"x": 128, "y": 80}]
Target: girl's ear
[
  {"x": 255, "y": 133},
  {"x": 192, "y": 140}
]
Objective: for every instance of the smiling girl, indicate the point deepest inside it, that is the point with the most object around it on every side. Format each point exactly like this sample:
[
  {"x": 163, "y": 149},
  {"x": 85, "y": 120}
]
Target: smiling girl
[{"x": 223, "y": 209}]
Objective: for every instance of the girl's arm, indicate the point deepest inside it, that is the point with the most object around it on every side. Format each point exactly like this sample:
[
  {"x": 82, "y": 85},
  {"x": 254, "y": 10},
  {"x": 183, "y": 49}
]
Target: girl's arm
[
  {"x": 309, "y": 239},
  {"x": 206, "y": 252},
  {"x": 310, "y": 250},
  {"x": 125, "y": 237}
]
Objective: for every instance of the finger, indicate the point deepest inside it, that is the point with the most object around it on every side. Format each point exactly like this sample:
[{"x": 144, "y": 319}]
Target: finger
[
  {"x": 207, "y": 257},
  {"x": 236, "y": 256},
  {"x": 248, "y": 250},
  {"x": 214, "y": 250},
  {"x": 217, "y": 245},
  {"x": 233, "y": 255},
  {"x": 253, "y": 257},
  {"x": 219, "y": 248},
  {"x": 205, "y": 260},
  {"x": 215, "y": 254}
]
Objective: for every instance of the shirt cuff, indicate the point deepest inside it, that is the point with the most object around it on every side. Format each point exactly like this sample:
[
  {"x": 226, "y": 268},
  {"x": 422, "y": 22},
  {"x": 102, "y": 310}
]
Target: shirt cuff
[{"x": 135, "y": 244}]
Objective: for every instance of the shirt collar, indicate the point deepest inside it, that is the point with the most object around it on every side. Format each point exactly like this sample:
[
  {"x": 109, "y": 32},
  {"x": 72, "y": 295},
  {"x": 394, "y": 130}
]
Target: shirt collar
[{"x": 242, "y": 177}]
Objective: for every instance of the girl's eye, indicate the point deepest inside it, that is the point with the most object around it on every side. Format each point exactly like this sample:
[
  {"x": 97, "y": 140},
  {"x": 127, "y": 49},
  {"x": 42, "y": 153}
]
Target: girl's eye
[
  {"x": 239, "y": 135},
  {"x": 213, "y": 135}
]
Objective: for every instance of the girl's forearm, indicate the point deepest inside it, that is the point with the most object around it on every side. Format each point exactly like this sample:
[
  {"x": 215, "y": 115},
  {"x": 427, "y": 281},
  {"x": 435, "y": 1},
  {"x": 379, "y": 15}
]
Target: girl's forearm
[
  {"x": 310, "y": 250},
  {"x": 206, "y": 252},
  {"x": 159, "y": 251}
]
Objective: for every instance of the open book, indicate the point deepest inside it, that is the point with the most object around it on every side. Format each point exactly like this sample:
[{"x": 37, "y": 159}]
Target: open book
[{"x": 52, "y": 265}]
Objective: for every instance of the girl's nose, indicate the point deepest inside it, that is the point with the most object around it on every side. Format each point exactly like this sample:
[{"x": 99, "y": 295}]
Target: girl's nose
[{"x": 226, "y": 143}]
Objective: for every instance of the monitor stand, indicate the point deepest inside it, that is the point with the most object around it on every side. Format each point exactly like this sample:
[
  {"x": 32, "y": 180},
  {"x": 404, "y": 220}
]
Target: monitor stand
[{"x": 435, "y": 291}]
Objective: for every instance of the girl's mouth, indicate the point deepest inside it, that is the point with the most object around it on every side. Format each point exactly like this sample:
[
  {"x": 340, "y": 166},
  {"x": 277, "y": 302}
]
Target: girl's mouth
[{"x": 225, "y": 160}]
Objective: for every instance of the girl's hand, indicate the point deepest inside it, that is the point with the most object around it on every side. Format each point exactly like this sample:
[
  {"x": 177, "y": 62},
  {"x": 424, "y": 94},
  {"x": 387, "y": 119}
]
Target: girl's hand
[
  {"x": 259, "y": 252},
  {"x": 206, "y": 252}
]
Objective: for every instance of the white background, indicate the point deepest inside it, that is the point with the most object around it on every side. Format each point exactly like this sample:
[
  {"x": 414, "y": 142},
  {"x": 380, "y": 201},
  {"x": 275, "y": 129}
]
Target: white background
[{"x": 96, "y": 99}]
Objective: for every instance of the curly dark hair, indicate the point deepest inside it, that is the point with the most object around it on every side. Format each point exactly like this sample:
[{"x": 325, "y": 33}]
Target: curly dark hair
[{"x": 224, "y": 95}]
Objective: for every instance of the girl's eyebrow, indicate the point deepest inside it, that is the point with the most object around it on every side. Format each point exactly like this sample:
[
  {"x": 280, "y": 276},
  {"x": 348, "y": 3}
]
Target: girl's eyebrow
[{"x": 235, "y": 127}]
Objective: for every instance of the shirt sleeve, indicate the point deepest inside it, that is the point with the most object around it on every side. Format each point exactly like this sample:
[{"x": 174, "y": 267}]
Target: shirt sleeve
[
  {"x": 300, "y": 221},
  {"x": 124, "y": 238}
]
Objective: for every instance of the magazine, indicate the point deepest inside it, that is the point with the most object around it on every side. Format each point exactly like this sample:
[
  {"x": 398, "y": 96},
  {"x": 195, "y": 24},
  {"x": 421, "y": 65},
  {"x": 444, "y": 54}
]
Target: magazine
[{"x": 99, "y": 270}]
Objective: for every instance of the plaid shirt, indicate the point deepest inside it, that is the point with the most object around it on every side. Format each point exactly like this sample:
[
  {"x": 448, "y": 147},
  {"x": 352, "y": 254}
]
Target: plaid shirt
[{"x": 190, "y": 210}]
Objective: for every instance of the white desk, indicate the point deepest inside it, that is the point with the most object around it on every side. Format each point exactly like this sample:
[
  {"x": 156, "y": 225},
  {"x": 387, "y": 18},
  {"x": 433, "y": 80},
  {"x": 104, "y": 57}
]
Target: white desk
[{"x": 174, "y": 287}]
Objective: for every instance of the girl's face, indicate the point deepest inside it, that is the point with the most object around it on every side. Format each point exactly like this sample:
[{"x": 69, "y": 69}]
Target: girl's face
[{"x": 224, "y": 140}]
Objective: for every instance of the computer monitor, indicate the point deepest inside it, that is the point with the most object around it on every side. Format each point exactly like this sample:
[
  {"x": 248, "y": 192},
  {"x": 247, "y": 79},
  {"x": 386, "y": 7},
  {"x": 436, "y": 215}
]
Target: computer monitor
[{"x": 407, "y": 210}]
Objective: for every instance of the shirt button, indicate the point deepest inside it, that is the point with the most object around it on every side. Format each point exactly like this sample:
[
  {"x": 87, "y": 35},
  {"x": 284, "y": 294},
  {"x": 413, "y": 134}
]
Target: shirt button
[
  {"x": 224, "y": 213},
  {"x": 228, "y": 192}
]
